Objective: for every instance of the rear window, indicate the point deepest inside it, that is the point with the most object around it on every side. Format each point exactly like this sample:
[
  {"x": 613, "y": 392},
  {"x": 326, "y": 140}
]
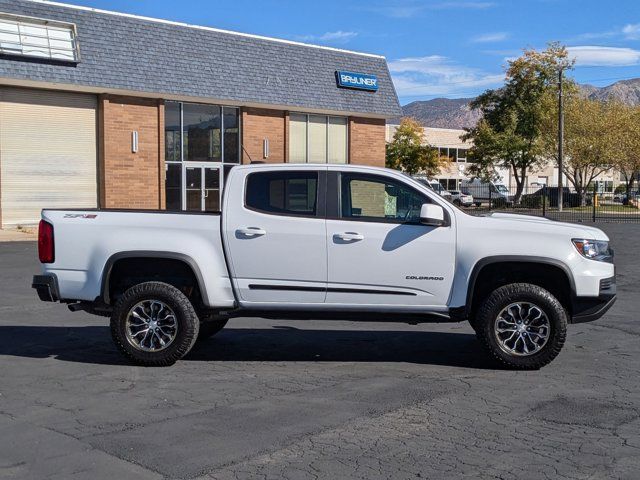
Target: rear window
[{"x": 283, "y": 193}]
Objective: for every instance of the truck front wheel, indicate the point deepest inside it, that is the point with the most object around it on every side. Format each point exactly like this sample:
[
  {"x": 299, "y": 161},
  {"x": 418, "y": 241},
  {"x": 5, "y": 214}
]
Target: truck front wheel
[
  {"x": 154, "y": 324},
  {"x": 522, "y": 325}
]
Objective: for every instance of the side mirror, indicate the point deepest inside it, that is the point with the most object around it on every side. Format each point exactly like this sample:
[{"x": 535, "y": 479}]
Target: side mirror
[{"x": 432, "y": 215}]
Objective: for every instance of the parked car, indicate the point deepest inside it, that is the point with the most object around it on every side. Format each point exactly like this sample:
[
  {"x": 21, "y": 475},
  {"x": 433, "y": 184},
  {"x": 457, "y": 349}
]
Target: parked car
[
  {"x": 435, "y": 186},
  {"x": 551, "y": 194},
  {"x": 327, "y": 241},
  {"x": 622, "y": 197},
  {"x": 485, "y": 192},
  {"x": 461, "y": 199}
]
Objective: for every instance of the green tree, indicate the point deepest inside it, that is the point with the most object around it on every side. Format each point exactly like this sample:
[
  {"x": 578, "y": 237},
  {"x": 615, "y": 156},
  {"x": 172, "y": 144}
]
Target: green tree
[
  {"x": 410, "y": 153},
  {"x": 591, "y": 138},
  {"x": 628, "y": 139},
  {"x": 508, "y": 134}
]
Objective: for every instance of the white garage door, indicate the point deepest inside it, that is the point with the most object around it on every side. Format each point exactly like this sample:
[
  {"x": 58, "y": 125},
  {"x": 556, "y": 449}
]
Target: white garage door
[{"x": 48, "y": 153}]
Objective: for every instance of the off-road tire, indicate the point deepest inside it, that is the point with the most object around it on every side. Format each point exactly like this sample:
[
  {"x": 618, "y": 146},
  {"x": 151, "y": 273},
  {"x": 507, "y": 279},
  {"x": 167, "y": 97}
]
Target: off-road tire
[
  {"x": 188, "y": 323},
  {"x": 521, "y": 292}
]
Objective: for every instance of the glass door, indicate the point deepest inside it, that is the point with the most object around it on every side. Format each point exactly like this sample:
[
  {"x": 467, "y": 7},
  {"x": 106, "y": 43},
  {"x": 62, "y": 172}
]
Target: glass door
[
  {"x": 211, "y": 200},
  {"x": 201, "y": 188}
]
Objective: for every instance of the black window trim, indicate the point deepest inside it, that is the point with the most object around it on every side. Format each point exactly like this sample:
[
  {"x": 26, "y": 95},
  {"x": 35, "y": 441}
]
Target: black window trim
[
  {"x": 334, "y": 211},
  {"x": 321, "y": 193}
]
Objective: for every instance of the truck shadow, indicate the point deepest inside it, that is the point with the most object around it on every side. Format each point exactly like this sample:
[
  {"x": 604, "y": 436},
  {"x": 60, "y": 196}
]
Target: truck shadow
[{"x": 93, "y": 345}]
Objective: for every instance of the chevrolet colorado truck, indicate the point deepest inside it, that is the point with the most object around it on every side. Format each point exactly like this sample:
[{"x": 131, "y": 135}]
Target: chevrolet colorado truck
[{"x": 325, "y": 241}]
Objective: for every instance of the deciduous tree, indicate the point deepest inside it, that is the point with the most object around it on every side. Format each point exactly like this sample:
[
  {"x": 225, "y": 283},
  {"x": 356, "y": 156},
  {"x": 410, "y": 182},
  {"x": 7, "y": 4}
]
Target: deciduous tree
[
  {"x": 410, "y": 153},
  {"x": 628, "y": 138},
  {"x": 590, "y": 140},
  {"x": 508, "y": 134}
]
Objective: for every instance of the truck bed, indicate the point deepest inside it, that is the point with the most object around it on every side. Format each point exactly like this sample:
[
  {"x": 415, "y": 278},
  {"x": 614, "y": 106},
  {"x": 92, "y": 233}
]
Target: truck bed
[{"x": 88, "y": 242}]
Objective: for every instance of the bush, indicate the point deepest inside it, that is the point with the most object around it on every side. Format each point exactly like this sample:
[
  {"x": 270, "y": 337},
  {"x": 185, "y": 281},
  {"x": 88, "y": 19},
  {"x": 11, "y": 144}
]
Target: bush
[{"x": 531, "y": 201}]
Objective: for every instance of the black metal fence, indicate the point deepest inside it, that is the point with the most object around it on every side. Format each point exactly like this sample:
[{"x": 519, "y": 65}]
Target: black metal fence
[{"x": 590, "y": 206}]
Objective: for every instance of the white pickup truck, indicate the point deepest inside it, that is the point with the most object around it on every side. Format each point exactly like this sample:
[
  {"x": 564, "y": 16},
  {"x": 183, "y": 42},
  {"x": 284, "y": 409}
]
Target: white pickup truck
[{"x": 325, "y": 241}]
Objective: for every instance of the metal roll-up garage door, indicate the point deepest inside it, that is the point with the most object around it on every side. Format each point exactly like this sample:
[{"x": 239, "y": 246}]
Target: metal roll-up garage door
[{"x": 48, "y": 153}]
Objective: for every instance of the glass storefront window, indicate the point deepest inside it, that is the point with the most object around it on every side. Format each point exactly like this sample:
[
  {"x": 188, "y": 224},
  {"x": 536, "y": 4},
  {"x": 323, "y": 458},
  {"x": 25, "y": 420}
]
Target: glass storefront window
[
  {"x": 173, "y": 186},
  {"x": 298, "y": 138},
  {"x": 337, "y": 140},
  {"x": 231, "y": 135},
  {"x": 199, "y": 138},
  {"x": 317, "y": 139},
  {"x": 201, "y": 130},
  {"x": 172, "y": 132}
]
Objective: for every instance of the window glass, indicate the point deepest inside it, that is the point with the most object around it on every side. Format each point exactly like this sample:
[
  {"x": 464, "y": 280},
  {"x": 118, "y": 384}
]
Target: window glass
[
  {"x": 298, "y": 138},
  {"x": 317, "y": 139},
  {"x": 373, "y": 198},
  {"x": 201, "y": 132},
  {"x": 31, "y": 38},
  {"x": 173, "y": 186},
  {"x": 172, "y": 132},
  {"x": 453, "y": 156},
  {"x": 337, "y": 140},
  {"x": 231, "y": 135},
  {"x": 283, "y": 193},
  {"x": 462, "y": 153}
]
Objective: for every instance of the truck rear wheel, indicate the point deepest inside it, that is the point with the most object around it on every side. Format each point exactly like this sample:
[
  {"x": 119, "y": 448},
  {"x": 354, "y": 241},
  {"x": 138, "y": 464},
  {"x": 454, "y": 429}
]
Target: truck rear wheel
[
  {"x": 522, "y": 325},
  {"x": 154, "y": 324}
]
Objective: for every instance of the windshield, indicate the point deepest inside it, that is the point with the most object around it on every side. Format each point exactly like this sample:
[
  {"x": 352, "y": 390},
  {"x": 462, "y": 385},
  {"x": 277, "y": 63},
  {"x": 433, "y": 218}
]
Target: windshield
[{"x": 501, "y": 188}]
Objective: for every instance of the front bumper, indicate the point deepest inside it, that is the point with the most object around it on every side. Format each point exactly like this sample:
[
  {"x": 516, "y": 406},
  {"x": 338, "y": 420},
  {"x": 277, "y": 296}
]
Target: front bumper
[
  {"x": 47, "y": 287},
  {"x": 588, "y": 309}
]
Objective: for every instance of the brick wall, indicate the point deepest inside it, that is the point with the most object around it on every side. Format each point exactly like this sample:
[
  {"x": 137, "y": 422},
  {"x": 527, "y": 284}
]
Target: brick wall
[
  {"x": 127, "y": 179},
  {"x": 366, "y": 141},
  {"x": 258, "y": 124}
]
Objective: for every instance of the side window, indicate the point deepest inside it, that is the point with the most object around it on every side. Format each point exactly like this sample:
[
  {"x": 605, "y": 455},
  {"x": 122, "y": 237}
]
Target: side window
[
  {"x": 283, "y": 193},
  {"x": 374, "y": 198}
]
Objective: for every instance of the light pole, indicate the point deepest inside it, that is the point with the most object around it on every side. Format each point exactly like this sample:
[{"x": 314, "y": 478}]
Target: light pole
[{"x": 560, "y": 139}]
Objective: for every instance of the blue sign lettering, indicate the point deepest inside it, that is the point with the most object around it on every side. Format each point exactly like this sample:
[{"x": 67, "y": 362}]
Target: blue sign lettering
[{"x": 359, "y": 81}]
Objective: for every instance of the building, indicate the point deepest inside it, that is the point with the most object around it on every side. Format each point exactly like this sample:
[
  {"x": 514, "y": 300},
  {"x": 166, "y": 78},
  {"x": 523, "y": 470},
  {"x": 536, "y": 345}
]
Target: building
[
  {"x": 102, "y": 109},
  {"x": 450, "y": 145}
]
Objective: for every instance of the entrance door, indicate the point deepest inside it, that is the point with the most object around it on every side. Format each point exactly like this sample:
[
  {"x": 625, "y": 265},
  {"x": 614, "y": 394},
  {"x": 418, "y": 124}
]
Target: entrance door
[{"x": 201, "y": 188}]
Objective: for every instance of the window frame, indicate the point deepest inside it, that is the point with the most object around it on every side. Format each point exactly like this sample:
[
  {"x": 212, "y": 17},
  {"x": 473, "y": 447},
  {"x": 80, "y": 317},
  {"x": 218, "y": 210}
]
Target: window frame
[
  {"x": 321, "y": 193},
  {"x": 221, "y": 164},
  {"x": 378, "y": 179},
  {"x": 26, "y": 21},
  {"x": 326, "y": 124}
]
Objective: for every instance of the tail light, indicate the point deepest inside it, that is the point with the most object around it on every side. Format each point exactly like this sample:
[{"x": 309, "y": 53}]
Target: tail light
[{"x": 46, "y": 249}]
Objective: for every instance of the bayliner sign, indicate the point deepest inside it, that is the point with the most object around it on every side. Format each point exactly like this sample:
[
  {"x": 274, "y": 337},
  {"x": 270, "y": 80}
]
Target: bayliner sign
[{"x": 359, "y": 81}]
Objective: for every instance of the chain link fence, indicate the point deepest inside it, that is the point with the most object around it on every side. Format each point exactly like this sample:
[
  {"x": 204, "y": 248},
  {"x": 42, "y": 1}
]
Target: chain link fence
[{"x": 542, "y": 201}]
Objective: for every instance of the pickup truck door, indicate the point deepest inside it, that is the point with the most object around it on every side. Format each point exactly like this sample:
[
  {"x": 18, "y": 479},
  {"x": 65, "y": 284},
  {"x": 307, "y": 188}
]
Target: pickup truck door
[
  {"x": 378, "y": 252},
  {"x": 275, "y": 235}
]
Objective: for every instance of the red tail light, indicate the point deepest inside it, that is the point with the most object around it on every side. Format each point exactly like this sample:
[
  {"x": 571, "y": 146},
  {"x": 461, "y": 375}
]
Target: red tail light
[{"x": 46, "y": 249}]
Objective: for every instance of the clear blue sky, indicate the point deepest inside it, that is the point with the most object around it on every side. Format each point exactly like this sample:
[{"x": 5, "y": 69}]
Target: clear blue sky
[{"x": 437, "y": 48}]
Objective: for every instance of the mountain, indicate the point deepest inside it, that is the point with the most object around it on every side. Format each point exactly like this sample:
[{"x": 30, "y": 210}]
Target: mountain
[
  {"x": 625, "y": 91},
  {"x": 455, "y": 113},
  {"x": 442, "y": 112}
]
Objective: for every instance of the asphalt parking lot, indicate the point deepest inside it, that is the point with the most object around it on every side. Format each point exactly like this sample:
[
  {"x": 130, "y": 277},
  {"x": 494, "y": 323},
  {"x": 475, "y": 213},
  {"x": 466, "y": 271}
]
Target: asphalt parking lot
[{"x": 311, "y": 399}]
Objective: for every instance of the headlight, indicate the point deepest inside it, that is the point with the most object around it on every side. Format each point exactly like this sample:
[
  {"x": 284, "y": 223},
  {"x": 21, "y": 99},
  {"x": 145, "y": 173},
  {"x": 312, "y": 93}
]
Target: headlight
[{"x": 593, "y": 249}]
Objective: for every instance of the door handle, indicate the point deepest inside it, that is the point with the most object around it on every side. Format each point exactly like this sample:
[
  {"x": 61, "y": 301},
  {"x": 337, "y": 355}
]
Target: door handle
[
  {"x": 349, "y": 236},
  {"x": 251, "y": 231}
]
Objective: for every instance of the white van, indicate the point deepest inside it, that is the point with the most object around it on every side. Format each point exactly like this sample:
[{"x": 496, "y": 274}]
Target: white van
[
  {"x": 484, "y": 192},
  {"x": 435, "y": 186}
]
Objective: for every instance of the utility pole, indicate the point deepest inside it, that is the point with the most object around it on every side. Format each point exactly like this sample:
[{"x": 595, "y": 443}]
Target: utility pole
[{"x": 560, "y": 140}]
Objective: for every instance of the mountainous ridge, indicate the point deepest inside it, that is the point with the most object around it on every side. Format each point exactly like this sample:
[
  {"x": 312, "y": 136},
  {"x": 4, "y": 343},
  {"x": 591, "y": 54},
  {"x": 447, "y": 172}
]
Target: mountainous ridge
[{"x": 455, "y": 113}]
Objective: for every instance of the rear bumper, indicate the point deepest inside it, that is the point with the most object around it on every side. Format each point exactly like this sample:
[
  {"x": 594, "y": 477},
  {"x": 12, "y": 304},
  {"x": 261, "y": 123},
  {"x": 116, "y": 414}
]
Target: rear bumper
[
  {"x": 47, "y": 287},
  {"x": 588, "y": 309}
]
